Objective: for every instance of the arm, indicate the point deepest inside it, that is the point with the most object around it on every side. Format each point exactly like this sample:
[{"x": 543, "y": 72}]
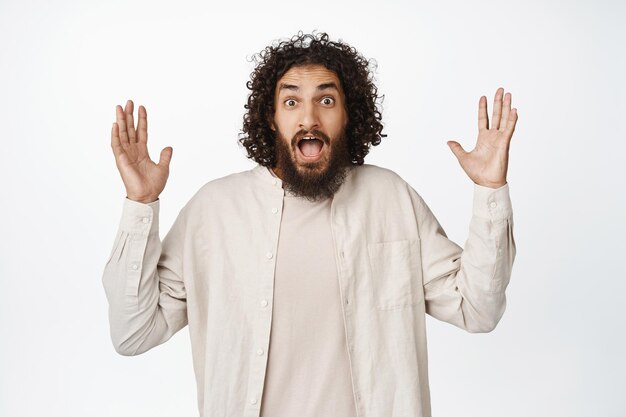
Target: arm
[
  {"x": 467, "y": 287},
  {"x": 143, "y": 280}
]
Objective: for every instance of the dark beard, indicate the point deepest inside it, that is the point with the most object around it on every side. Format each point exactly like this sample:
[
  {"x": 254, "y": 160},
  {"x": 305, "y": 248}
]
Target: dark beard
[{"x": 312, "y": 184}]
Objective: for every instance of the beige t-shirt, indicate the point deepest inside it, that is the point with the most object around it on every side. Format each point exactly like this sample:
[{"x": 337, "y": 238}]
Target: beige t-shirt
[{"x": 308, "y": 372}]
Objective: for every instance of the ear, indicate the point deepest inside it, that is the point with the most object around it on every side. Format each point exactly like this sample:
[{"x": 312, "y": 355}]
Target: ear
[{"x": 270, "y": 120}]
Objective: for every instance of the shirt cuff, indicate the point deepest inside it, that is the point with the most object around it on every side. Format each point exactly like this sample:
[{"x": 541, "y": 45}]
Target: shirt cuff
[
  {"x": 140, "y": 218},
  {"x": 492, "y": 203}
]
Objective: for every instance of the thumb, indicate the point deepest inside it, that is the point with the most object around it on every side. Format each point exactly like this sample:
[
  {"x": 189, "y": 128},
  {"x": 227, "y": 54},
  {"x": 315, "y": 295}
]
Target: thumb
[
  {"x": 166, "y": 156},
  {"x": 456, "y": 149}
]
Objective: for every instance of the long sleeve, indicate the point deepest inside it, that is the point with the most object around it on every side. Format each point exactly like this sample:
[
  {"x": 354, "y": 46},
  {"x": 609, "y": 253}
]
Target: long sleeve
[
  {"x": 143, "y": 280},
  {"x": 466, "y": 287}
]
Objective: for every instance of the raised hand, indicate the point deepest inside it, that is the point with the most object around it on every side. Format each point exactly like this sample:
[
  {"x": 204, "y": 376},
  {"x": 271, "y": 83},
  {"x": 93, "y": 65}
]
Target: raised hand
[
  {"x": 487, "y": 163},
  {"x": 144, "y": 180}
]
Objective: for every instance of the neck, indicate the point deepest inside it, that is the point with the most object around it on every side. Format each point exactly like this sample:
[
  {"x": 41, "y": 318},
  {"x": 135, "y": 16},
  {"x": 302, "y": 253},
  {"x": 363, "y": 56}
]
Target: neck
[{"x": 277, "y": 171}]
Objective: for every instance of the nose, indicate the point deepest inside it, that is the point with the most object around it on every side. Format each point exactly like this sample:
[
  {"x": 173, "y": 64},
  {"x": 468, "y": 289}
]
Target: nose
[{"x": 309, "y": 119}]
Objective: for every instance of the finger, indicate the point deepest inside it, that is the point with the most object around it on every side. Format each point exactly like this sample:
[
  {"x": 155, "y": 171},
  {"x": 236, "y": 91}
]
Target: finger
[
  {"x": 166, "y": 156},
  {"x": 456, "y": 149},
  {"x": 506, "y": 108},
  {"x": 115, "y": 140},
  {"x": 511, "y": 122},
  {"x": 483, "y": 119},
  {"x": 130, "y": 122},
  {"x": 121, "y": 123},
  {"x": 142, "y": 125},
  {"x": 497, "y": 108}
]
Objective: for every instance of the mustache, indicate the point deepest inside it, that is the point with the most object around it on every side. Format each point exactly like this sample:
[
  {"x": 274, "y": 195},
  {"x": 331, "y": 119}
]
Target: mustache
[{"x": 302, "y": 133}]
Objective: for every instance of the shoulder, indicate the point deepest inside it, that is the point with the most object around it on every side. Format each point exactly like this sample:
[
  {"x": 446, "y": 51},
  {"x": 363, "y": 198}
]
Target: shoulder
[
  {"x": 375, "y": 177},
  {"x": 234, "y": 184},
  {"x": 237, "y": 179},
  {"x": 368, "y": 183}
]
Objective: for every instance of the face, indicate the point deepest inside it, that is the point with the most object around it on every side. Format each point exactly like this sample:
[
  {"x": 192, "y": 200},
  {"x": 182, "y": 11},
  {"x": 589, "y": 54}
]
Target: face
[{"x": 309, "y": 121}]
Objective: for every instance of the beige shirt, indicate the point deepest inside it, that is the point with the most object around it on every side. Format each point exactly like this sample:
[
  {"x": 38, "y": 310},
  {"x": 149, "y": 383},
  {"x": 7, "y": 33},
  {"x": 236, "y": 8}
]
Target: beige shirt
[{"x": 215, "y": 271}]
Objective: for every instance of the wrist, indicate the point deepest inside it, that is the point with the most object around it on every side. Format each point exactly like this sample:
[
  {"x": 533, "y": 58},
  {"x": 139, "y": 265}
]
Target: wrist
[
  {"x": 147, "y": 200},
  {"x": 493, "y": 185}
]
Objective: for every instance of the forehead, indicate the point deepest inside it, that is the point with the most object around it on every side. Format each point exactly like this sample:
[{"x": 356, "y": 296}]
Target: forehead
[{"x": 308, "y": 76}]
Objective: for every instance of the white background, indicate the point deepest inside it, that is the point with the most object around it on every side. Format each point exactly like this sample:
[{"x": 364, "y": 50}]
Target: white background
[{"x": 558, "y": 350}]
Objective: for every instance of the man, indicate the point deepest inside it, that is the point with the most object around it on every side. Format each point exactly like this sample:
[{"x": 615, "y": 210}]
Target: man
[{"x": 305, "y": 281}]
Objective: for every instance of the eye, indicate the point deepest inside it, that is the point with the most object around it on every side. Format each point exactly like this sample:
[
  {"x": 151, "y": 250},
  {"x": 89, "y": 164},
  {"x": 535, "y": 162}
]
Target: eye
[
  {"x": 290, "y": 102},
  {"x": 328, "y": 100}
]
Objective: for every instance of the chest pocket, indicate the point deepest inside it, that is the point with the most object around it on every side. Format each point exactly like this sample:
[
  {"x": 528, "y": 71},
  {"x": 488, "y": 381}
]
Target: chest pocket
[{"x": 396, "y": 273}]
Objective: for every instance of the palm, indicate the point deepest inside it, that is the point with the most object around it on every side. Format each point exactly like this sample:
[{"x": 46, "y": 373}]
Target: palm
[
  {"x": 144, "y": 180},
  {"x": 487, "y": 163}
]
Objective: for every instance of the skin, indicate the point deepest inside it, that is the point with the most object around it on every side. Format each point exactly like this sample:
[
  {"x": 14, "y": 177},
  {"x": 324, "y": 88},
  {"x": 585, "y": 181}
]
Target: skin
[
  {"x": 305, "y": 110},
  {"x": 144, "y": 180},
  {"x": 308, "y": 99},
  {"x": 488, "y": 162}
]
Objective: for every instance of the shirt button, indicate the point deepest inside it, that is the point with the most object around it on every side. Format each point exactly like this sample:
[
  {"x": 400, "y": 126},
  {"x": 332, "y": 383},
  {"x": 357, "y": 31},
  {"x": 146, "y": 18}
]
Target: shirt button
[
  {"x": 135, "y": 267},
  {"x": 342, "y": 255},
  {"x": 269, "y": 255},
  {"x": 493, "y": 204},
  {"x": 274, "y": 210},
  {"x": 263, "y": 303},
  {"x": 252, "y": 400},
  {"x": 274, "y": 182},
  {"x": 259, "y": 352},
  {"x": 145, "y": 220},
  {"x": 347, "y": 301}
]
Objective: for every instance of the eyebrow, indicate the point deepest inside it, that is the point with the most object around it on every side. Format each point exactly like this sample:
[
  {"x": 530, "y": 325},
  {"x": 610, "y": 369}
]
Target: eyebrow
[{"x": 324, "y": 86}]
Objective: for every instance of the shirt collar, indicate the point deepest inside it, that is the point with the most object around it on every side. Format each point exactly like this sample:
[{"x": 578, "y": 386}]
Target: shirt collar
[{"x": 268, "y": 176}]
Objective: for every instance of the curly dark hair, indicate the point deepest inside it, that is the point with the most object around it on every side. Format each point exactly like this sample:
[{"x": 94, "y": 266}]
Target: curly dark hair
[{"x": 364, "y": 127}]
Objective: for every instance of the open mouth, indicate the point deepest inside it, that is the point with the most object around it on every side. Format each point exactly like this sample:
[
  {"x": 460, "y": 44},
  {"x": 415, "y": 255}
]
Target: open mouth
[{"x": 311, "y": 148}]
